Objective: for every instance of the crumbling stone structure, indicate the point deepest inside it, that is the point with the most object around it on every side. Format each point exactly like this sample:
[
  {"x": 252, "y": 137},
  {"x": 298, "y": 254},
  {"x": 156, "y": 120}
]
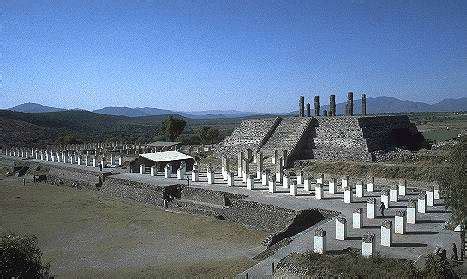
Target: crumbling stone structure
[
  {"x": 317, "y": 107},
  {"x": 363, "y": 104}
]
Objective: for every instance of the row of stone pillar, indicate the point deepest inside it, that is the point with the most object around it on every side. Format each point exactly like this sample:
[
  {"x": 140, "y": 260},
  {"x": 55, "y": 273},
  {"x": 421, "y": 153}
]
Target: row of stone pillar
[{"x": 349, "y": 107}]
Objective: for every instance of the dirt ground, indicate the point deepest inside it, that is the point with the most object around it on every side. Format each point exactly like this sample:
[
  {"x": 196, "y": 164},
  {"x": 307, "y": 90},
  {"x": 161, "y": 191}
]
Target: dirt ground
[{"x": 86, "y": 235}]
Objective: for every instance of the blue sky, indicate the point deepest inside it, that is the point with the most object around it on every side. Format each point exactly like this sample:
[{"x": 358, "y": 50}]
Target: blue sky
[{"x": 244, "y": 55}]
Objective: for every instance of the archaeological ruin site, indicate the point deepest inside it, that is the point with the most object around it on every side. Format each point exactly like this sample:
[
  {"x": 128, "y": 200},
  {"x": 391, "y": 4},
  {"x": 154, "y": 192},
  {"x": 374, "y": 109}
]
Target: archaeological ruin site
[{"x": 262, "y": 177}]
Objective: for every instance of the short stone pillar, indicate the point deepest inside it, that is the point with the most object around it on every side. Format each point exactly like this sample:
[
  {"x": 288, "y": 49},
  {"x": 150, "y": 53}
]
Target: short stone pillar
[
  {"x": 279, "y": 171},
  {"x": 402, "y": 187},
  {"x": 318, "y": 191},
  {"x": 181, "y": 171},
  {"x": 41, "y": 155},
  {"x": 348, "y": 197},
  {"x": 307, "y": 183},
  {"x": 341, "y": 228},
  {"x": 210, "y": 175},
  {"x": 320, "y": 178},
  {"x": 246, "y": 170},
  {"x": 368, "y": 244},
  {"x": 53, "y": 158},
  {"x": 293, "y": 187},
  {"x": 359, "y": 189},
  {"x": 230, "y": 179},
  {"x": 72, "y": 159},
  {"x": 371, "y": 208},
  {"x": 386, "y": 233},
  {"x": 332, "y": 186},
  {"x": 399, "y": 222},
  {"x": 142, "y": 169},
  {"x": 393, "y": 193},
  {"x": 195, "y": 175},
  {"x": 421, "y": 204},
  {"x": 370, "y": 184},
  {"x": 284, "y": 158},
  {"x": 385, "y": 197},
  {"x": 240, "y": 164},
  {"x": 120, "y": 161},
  {"x": 86, "y": 160},
  {"x": 47, "y": 156},
  {"x": 259, "y": 164},
  {"x": 224, "y": 169},
  {"x": 274, "y": 157},
  {"x": 412, "y": 212},
  {"x": 285, "y": 181},
  {"x": 357, "y": 218},
  {"x": 436, "y": 195},
  {"x": 78, "y": 160},
  {"x": 345, "y": 182},
  {"x": 265, "y": 178},
  {"x": 319, "y": 241},
  {"x": 168, "y": 171},
  {"x": 63, "y": 157},
  {"x": 430, "y": 196},
  {"x": 300, "y": 177},
  {"x": 103, "y": 163},
  {"x": 153, "y": 170},
  {"x": 94, "y": 162},
  {"x": 272, "y": 185},
  {"x": 250, "y": 183}
]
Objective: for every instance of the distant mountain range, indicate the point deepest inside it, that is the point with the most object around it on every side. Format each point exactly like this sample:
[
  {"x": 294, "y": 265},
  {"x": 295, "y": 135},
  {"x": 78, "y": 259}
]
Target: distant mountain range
[{"x": 374, "y": 106}]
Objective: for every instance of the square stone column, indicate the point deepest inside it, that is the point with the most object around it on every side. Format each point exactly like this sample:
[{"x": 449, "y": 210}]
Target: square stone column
[
  {"x": 386, "y": 233},
  {"x": 368, "y": 244},
  {"x": 63, "y": 157},
  {"x": 402, "y": 186},
  {"x": 168, "y": 171},
  {"x": 250, "y": 183},
  {"x": 318, "y": 191},
  {"x": 359, "y": 189},
  {"x": 279, "y": 171},
  {"x": 181, "y": 171},
  {"x": 230, "y": 179},
  {"x": 412, "y": 212},
  {"x": 246, "y": 170},
  {"x": 341, "y": 228},
  {"x": 370, "y": 184},
  {"x": 223, "y": 169},
  {"x": 393, "y": 194},
  {"x": 430, "y": 196},
  {"x": 348, "y": 197},
  {"x": 300, "y": 178},
  {"x": 345, "y": 182},
  {"x": 293, "y": 187},
  {"x": 86, "y": 160},
  {"x": 272, "y": 185},
  {"x": 399, "y": 222},
  {"x": 307, "y": 183},
  {"x": 357, "y": 218},
  {"x": 120, "y": 161},
  {"x": 370, "y": 208},
  {"x": 320, "y": 178},
  {"x": 46, "y": 156},
  {"x": 103, "y": 163},
  {"x": 332, "y": 186},
  {"x": 284, "y": 158},
  {"x": 94, "y": 162},
  {"x": 421, "y": 204},
  {"x": 53, "y": 158},
  {"x": 142, "y": 169},
  {"x": 240, "y": 164},
  {"x": 210, "y": 175},
  {"x": 285, "y": 181},
  {"x": 78, "y": 160},
  {"x": 259, "y": 164},
  {"x": 153, "y": 170},
  {"x": 265, "y": 178},
  {"x": 436, "y": 192},
  {"x": 274, "y": 157},
  {"x": 385, "y": 197},
  {"x": 195, "y": 175},
  {"x": 319, "y": 241}
]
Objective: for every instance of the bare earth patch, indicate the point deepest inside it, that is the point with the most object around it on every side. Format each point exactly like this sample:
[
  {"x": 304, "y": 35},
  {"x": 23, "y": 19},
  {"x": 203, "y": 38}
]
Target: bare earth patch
[{"x": 86, "y": 234}]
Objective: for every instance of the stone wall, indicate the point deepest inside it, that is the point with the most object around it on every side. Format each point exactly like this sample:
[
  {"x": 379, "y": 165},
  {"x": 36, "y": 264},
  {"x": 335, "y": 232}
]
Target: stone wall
[{"x": 74, "y": 177}]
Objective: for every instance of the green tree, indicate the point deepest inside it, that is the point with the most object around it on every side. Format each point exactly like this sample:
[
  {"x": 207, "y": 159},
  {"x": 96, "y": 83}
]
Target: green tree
[
  {"x": 173, "y": 127},
  {"x": 21, "y": 258},
  {"x": 209, "y": 135}
]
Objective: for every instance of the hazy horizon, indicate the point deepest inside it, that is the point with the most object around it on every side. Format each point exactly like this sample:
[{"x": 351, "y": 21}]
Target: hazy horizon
[{"x": 246, "y": 56}]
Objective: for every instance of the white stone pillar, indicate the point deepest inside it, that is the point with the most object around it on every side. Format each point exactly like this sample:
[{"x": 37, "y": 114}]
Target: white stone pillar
[
  {"x": 319, "y": 241},
  {"x": 368, "y": 244},
  {"x": 168, "y": 171},
  {"x": 332, "y": 186},
  {"x": 153, "y": 170},
  {"x": 63, "y": 157},
  {"x": 230, "y": 179},
  {"x": 412, "y": 212},
  {"x": 265, "y": 178},
  {"x": 72, "y": 159},
  {"x": 46, "y": 155},
  {"x": 272, "y": 185},
  {"x": 246, "y": 170},
  {"x": 307, "y": 182},
  {"x": 385, "y": 197},
  {"x": 318, "y": 191},
  {"x": 194, "y": 175},
  {"x": 293, "y": 187},
  {"x": 250, "y": 183},
  {"x": 357, "y": 218},
  {"x": 436, "y": 192},
  {"x": 181, "y": 171},
  {"x": 345, "y": 182},
  {"x": 210, "y": 175},
  {"x": 79, "y": 160},
  {"x": 300, "y": 178},
  {"x": 399, "y": 222},
  {"x": 274, "y": 157},
  {"x": 320, "y": 178},
  {"x": 402, "y": 186},
  {"x": 259, "y": 164},
  {"x": 370, "y": 208},
  {"x": 224, "y": 172},
  {"x": 348, "y": 197},
  {"x": 386, "y": 233},
  {"x": 284, "y": 158},
  {"x": 142, "y": 169},
  {"x": 239, "y": 164},
  {"x": 359, "y": 189},
  {"x": 370, "y": 184},
  {"x": 421, "y": 204},
  {"x": 285, "y": 181},
  {"x": 393, "y": 194},
  {"x": 120, "y": 161},
  {"x": 94, "y": 162},
  {"x": 341, "y": 228},
  {"x": 53, "y": 158},
  {"x": 430, "y": 196},
  {"x": 280, "y": 171}
]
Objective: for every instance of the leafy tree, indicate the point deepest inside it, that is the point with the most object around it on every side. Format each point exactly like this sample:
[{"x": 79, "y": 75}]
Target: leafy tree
[
  {"x": 209, "y": 135},
  {"x": 173, "y": 127},
  {"x": 21, "y": 258}
]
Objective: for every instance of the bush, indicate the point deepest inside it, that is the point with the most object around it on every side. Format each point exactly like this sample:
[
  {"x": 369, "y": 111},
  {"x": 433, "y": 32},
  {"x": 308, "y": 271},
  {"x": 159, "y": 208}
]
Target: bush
[{"x": 20, "y": 257}]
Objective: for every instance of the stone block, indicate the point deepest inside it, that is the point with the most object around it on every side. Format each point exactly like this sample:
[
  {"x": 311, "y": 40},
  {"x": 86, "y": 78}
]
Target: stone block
[
  {"x": 319, "y": 241},
  {"x": 421, "y": 204},
  {"x": 359, "y": 190},
  {"x": 399, "y": 222},
  {"x": 332, "y": 186},
  {"x": 195, "y": 175},
  {"x": 272, "y": 185},
  {"x": 348, "y": 197},
  {"x": 230, "y": 179},
  {"x": 250, "y": 183},
  {"x": 168, "y": 171},
  {"x": 319, "y": 191},
  {"x": 341, "y": 228},
  {"x": 357, "y": 218},
  {"x": 368, "y": 244},
  {"x": 370, "y": 208},
  {"x": 293, "y": 188},
  {"x": 402, "y": 187},
  {"x": 430, "y": 197},
  {"x": 386, "y": 233},
  {"x": 393, "y": 195},
  {"x": 385, "y": 197},
  {"x": 412, "y": 212},
  {"x": 370, "y": 184},
  {"x": 320, "y": 178},
  {"x": 285, "y": 181},
  {"x": 300, "y": 178}
]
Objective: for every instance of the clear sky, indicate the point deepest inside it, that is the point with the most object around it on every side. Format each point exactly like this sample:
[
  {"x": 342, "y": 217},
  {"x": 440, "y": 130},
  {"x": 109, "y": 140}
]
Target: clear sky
[{"x": 245, "y": 55}]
